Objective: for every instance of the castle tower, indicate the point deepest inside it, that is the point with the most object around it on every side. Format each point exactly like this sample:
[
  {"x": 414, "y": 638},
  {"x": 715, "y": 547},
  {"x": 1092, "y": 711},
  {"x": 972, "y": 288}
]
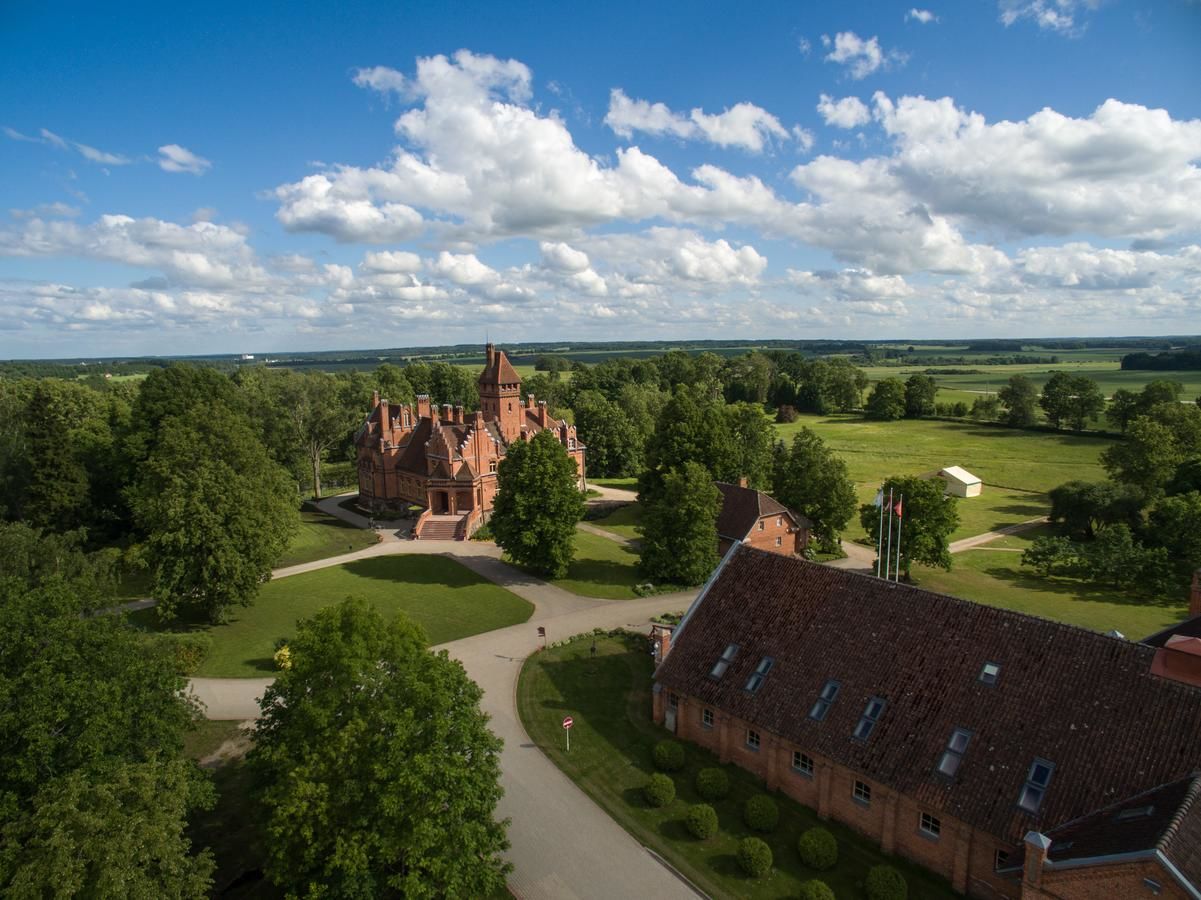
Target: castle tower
[{"x": 500, "y": 393}]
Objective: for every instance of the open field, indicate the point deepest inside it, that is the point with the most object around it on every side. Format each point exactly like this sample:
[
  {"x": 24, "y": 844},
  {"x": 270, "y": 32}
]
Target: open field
[
  {"x": 322, "y": 536},
  {"x": 623, "y": 521},
  {"x": 1016, "y": 466},
  {"x": 610, "y": 760},
  {"x": 601, "y": 568},
  {"x": 993, "y": 574},
  {"x": 624, "y": 484},
  {"x": 446, "y": 599}
]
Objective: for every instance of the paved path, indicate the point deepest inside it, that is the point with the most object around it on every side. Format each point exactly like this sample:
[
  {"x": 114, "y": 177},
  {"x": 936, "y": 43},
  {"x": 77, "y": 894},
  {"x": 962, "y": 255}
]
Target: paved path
[
  {"x": 612, "y": 493},
  {"x": 602, "y": 532},
  {"x": 972, "y": 542}
]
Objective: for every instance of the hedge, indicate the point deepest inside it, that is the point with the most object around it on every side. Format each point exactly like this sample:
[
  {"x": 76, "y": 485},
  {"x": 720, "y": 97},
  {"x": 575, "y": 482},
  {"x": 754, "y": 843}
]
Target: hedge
[
  {"x": 754, "y": 856},
  {"x": 886, "y": 883},
  {"x": 818, "y": 849},
  {"x": 669, "y": 756},
  {"x": 190, "y": 649},
  {"x": 712, "y": 784},
  {"x": 761, "y": 813},
  {"x": 701, "y": 821},
  {"x": 816, "y": 890},
  {"x": 660, "y": 790}
]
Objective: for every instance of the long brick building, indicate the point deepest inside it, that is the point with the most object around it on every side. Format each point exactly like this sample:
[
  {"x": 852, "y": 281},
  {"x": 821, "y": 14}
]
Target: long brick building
[
  {"x": 1016, "y": 756},
  {"x": 445, "y": 460}
]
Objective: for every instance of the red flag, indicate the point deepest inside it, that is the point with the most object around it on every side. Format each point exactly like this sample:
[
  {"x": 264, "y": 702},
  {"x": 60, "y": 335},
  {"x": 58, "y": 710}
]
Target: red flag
[{"x": 897, "y": 509}]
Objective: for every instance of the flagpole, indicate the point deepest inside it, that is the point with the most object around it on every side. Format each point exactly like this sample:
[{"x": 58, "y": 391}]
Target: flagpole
[
  {"x": 880, "y": 531},
  {"x": 888, "y": 558},
  {"x": 900, "y": 524}
]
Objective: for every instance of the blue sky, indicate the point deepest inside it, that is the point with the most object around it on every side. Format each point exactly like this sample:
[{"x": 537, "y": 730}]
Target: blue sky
[{"x": 292, "y": 176}]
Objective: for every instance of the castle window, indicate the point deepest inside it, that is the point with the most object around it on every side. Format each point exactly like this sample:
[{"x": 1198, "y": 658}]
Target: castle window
[
  {"x": 828, "y": 695},
  {"x": 802, "y": 763},
  {"x": 948, "y": 763},
  {"x": 706, "y": 718},
  {"x": 929, "y": 825},
  {"x": 727, "y": 657},
  {"x": 752, "y": 739},
  {"x": 492, "y": 466},
  {"x": 862, "y": 793},
  {"x": 1036, "y": 784},
  {"x": 779, "y": 542},
  {"x": 871, "y": 715},
  {"x": 756, "y": 680}
]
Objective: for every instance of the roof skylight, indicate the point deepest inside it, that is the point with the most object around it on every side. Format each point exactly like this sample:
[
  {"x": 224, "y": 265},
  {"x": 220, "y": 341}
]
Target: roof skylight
[
  {"x": 871, "y": 715},
  {"x": 756, "y": 680},
  {"x": 825, "y": 699},
  {"x": 727, "y": 657}
]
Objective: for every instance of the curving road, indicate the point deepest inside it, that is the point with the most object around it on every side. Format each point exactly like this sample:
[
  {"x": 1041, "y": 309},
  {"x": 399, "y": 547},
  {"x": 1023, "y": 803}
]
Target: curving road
[{"x": 563, "y": 844}]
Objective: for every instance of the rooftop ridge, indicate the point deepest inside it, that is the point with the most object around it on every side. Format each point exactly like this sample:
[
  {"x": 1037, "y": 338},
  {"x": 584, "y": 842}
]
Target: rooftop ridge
[{"x": 1169, "y": 833}]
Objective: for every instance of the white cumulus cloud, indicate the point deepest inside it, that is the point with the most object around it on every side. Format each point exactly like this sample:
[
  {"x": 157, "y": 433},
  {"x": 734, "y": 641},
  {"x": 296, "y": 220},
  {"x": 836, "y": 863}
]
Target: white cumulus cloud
[
  {"x": 742, "y": 125},
  {"x": 849, "y": 112},
  {"x": 174, "y": 158}
]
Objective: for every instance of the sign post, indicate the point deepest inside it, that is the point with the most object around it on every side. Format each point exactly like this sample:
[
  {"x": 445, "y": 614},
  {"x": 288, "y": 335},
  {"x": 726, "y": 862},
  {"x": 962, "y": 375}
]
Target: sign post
[{"x": 567, "y": 723}]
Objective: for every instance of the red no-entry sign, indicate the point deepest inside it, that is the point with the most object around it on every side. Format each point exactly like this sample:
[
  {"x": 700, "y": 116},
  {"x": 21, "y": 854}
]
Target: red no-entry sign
[{"x": 568, "y": 722}]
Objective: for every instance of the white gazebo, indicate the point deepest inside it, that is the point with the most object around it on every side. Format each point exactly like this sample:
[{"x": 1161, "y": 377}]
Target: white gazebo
[{"x": 961, "y": 482}]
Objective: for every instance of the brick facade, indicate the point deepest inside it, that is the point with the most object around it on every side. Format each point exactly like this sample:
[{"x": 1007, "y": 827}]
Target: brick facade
[{"x": 758, "y": 520}]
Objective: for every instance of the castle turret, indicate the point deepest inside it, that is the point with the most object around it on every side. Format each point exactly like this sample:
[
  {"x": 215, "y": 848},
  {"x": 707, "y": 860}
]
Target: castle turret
[{"x": 500, "y": 393}]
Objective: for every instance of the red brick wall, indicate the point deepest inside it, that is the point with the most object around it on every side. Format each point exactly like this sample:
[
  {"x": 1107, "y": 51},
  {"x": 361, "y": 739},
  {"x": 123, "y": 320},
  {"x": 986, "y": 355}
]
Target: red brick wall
[
  {"x": 1107, "y": 883},
  {"x": 776, "y": 528},
  {"x": 961, "y": 854}
]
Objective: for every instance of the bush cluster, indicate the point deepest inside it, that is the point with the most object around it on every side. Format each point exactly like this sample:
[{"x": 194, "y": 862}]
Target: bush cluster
[
  {"x": 755, "y": 857},
  {"x": 816, "y": 890},
  {"x": 701, "y": 821},
  {"x": 660, "y": 790},
  {"x": 669, "y": 756},
  {"x": 818, "y": 849},
  {"x": 712, "y": 784},
  {"x": 190, "y": 650},
  {"x": 886, "y": 883},
  {"x": 761, "y": 813}
]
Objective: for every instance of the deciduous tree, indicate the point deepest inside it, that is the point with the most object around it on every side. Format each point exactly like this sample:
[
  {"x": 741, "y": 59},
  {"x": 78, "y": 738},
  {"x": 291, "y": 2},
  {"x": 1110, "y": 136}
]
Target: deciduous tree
[
  {"x": 679, "y": 527},
  {"x": 1019, "y": 396},
  {"x": 920, "y": 391},
  {"x": 538, "y": 504},
  {"x": 928, "y": 518},
  {"x": 377, "y": 771},
  {"x": 886, "y": 400},
  {"x": 811, "y": 479}
]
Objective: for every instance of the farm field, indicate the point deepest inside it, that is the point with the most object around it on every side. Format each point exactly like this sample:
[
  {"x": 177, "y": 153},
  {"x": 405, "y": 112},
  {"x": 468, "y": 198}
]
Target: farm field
[
  {"x": 993, "y": 574},
  {"x": 446, "y": 599},
  {"x": 1018, "y": 467},
  {"x": 611, "y": 758}
]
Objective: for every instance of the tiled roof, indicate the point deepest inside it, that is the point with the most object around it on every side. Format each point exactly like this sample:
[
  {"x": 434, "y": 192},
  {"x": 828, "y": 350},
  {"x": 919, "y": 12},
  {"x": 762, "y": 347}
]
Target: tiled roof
[
  {"x": 1079, "y": 699},
  {"x": 1187, "y": 628},
  {"x": 741, "y": 508},
  {"x": 1166, "y": 818},
  {"x": 499, "y": 371}
]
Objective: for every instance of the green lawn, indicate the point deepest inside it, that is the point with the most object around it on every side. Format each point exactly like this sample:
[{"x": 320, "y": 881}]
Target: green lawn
[
  {"x": 322, "y": 536},
  {"x": 623, "y": 484},
  {"x": 446, "y": 599},
  {"x": 993, "y": 574},
  {"x": 623, "y": 521},
  {"x": 610, "y": 759},
  {"x": 601, "y": 568},
  {"x": 1016, "y": 466}
]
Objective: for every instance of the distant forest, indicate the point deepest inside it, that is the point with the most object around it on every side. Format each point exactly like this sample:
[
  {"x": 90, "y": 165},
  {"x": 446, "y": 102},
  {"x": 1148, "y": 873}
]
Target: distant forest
[{"x": 1186, "y": 360}]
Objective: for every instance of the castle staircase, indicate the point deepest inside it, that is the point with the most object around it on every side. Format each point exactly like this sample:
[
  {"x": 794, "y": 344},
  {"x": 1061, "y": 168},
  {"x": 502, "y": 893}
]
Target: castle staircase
[{"x": 441, "y": 528}]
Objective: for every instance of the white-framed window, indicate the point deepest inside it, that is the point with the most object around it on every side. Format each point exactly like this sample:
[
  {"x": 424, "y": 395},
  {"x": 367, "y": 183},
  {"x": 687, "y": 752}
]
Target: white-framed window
[
  {"x": 779, "y": 521},
  {"x": 752, "y": 739},
  {"x": 802, "y": 763},
  {"x": 929, "y": 825},
  {"x": 707, "y": 717},
  {"x": 760, "y": 524},
  {"x": 862, "y": 792},
  {"x": 673, "y": 700},
  {"x": 779, "y": 542}
]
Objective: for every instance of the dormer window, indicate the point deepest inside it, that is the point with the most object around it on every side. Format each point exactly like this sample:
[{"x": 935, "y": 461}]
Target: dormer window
[
  {"x": 824, "y": 701},
  {"x": 1036, "y": 784},
  {"x": 990, "y": 673},
  {"x": 871, "y": 715},
  {"x": 948, "y": 763},
  {"x": 756, "y": 680},
  {"x": 727, "y": 657}
]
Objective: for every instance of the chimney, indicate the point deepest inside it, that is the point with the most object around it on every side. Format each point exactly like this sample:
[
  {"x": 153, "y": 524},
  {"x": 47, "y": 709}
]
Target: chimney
[
  {"x": 742, "y": 482},
  {"x": 542, "y": 413},
  {"x": 1179, "y": 659},
  {"x": 661, "y": 636},
  {"x": 447, "y": 413},
  {"x": 477, "y": 419},
  {"x": 489, "y": 354},
  {"x": 529, "y": 401},
  {"x": 1194, "y": 597},
  {"x": 423, "y": 406},
  {"x": 385, "y": 424},
  {"x": 458, "y": 415},
  {"x": 1037, "y": 846},
  {"x": 374, "y": 399}
]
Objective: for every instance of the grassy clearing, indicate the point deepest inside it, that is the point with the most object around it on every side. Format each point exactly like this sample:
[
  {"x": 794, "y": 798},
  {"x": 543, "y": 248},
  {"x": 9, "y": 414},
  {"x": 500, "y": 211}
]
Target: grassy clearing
[
  {"x": 601, "y": 568},
  {"x": 322, "y": 536},
  {"x": 623, "y": 521},
  {"x": 207, "y": 737},
  {"x": 610, "y": 760},
  {"x": 623, "y": 484},
  {"x": 993, "y": 574},
  {"x": 446, "y": 599},
  {"x": 1024, "y": 464}
]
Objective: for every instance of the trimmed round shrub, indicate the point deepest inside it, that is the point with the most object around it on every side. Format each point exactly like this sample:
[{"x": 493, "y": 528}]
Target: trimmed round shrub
[
  {"x": 701, "y": 821},
  {"x": 761, "y": 813},
  {"x": 669, "y": 756},
  {"x": 712, "y": 784},
  {"x": 660, "y": 790},
  {"x": 816, "y": 890},
  {"x": 754, "y": 856},
  {"x": 886, "y": 883},
  {"x": 818, "y": 849}
]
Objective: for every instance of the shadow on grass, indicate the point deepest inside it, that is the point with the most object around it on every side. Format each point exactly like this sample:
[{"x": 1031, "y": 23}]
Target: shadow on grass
[
  {"x": 414, "y": 570},
  {"x": 1091, "y": 593}
]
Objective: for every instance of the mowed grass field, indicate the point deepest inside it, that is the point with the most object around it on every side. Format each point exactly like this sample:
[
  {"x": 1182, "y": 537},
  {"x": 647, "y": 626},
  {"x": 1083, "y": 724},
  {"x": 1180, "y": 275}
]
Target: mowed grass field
[
  {"x": 1018, "y": 467},
  {"x": 446, "y": 599},
  {"x": 993, "y": 574},
  {"x": 322, "y": 536},
  {"x": 601, "y": 568}
]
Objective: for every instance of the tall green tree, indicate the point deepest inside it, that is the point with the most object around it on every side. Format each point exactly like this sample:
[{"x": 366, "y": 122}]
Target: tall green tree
[
  {"x": 813, "y": 480},
  {"x": 375, "y": 765},
  {"x": 176, "y": 390},
  {"x": 538, "y": 504},
  {"x": 312, "y": 404},
  {"x": 886, "y": 400},
  {"x": 218, "y": 512},
  {"x": 920, "y": 391},
  {"x": 750, "y": 440},
  {"x": 116, "y": 829},
  {"x": 56, "y": 495},
  {"x": 614, "y": 446},
  {"x": 1175, "y": 525},
  {"x": 1020, "y": 398},
  {"x": 1156, "y": 445},
  {"x": 928, "y": 517},
  {"x": 1082, "y": 508},
  {"x": 1072, "y": 400},
  {"x": 679, "y": 527}
]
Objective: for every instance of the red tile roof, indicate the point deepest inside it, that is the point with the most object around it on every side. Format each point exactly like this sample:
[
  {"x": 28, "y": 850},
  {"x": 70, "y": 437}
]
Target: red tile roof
[
  {"x": 499, "y": 371},
  {"x": 1084, "y": 701},
  {"x": 742, "y": 507}
]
